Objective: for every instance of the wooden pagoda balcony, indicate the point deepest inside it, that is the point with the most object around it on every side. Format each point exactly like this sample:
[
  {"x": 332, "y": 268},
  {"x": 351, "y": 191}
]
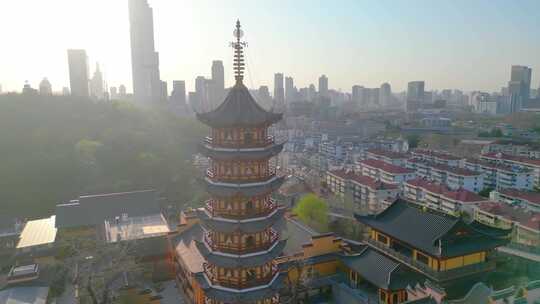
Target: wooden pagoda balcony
[
  {"x": 241, "y": 248},
  {"x": 239, "y": 144},
  {"x": 439, "y": 276},
  {"x": 267, "y": 208},
  {"x": 241, "y": 178},
  {"x": 238, "y": 282}
]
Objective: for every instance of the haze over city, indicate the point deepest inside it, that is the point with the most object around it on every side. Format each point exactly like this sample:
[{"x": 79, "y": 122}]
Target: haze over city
[
  {"x": 468, "y": 45},
  {"x": 269, "y": 152}
]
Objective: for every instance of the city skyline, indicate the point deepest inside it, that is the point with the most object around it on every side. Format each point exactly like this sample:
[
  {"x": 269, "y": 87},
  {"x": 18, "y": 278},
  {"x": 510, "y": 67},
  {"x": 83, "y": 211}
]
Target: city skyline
[{"x": 358, "y": 38}]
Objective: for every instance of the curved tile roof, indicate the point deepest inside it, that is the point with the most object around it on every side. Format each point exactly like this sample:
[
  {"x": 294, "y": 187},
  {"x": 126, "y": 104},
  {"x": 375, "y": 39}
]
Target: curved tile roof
[
  {"x": 240, "y": 154},
  {"x": 234, "y": 261},
  {"x": 237, "y": 226},
  {"x": 255, "y": 189},
  {"x": 238, "y": 109}
]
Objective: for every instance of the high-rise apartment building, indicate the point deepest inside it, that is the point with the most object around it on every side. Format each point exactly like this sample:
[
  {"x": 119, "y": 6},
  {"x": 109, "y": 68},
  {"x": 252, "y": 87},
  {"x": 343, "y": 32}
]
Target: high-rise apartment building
[
  {"x": 385, "y": 92},
  {"x": 178, "y": 94},
  {"x": 290, "y": 93},
  {"x": 415, "y": 95},
  {"x": 45, "y": 88},
  {"x": 147, "y": 86},
  {"x": 78, "y": 73},
  {"x": 323, "y": 86},
  {"x": 96, "y": 84},
  {"x": 519, "y": 86},
  {"x": 279, "y": 91}
]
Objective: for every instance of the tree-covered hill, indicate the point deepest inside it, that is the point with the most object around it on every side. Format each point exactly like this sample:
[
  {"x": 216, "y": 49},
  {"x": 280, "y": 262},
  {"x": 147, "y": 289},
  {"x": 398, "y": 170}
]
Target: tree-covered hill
[{"x": 53, "y": 149}]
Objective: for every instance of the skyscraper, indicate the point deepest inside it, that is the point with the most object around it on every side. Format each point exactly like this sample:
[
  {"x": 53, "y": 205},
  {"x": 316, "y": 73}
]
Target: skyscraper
[
  {"x": 279, "y": 91},
  {"x": 323, "y": 86},
  {"x": 45, "y": 88},
  {"x": 114, "y": 93},
  {"x": 96, "y": 84},
  {"x": 263, "y": 97},
  {"x": 289, "y": 90},
  {"x": 178, "y": 94},
  {"x": 385, "y": 92},
  {"x": 415, "y": 95},
  {"x": 519, "y": 86},
  {"x": 147, "y": 86},
  {"x": 122, "y": 91},
  {"x": 78, "y": 72},
  {"x": 218, "y": 76}
]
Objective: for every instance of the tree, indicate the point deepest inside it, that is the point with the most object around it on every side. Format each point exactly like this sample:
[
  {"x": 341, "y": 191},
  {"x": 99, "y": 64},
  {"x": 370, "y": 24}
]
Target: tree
[
  {"x": 413, "y": 140},
  {"x": 299, "y": 275},
  {"x": 485, "y": 192},
  {"x": 313, "y": 211}
]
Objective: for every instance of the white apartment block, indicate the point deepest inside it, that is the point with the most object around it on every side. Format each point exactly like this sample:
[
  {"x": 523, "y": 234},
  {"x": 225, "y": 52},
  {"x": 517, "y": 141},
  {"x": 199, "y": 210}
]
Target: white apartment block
[{"x": 501, "y": 176}]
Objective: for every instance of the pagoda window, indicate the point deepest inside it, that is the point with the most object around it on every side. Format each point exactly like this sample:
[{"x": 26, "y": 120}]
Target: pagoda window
[
  {"x": 395, "y": 298},
  {"x": 250, "y": 275},
  {"x": 250, "y": 242},
  {"x": 249, "y": 205},
  {"x": 248, "y": 137},
  {"x": 228, "y": 170},
  {"x": 248, "y": 171}
]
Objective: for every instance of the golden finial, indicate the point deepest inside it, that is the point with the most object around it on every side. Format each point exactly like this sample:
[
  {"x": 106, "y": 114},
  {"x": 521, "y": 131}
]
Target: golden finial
[{"x": 238, "y": 47}]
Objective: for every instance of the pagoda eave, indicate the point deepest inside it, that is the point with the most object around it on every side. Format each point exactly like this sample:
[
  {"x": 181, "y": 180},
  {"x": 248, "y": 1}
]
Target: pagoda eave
[
  {"x": 249, "y": 296},
  {"x": 236, "y": 261},
  {"x": 240, "y": 154},
  {"x": 251, "y": 226},
  {"x": 225, "y": 190}
]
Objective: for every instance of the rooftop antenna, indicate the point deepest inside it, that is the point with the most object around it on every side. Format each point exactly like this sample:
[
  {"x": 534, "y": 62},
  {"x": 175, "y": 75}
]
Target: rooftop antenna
[{"x": 238, "y": 46}]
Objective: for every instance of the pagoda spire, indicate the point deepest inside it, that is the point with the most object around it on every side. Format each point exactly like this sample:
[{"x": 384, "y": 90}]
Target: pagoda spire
[{"x": 238, "y": 59}]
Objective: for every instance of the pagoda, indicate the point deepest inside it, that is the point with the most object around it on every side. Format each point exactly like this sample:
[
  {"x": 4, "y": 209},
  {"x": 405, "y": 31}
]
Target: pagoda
[{"x": 239, "y": 244}]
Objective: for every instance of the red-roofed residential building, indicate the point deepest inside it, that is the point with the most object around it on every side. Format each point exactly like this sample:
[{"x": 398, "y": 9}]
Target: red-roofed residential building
[
  {"x": 368, "y": 194},
  {"x": 526, "y": 224},
  {"x": 453, "y": 177},
  {"x": 502, "y": 176},
  {"x": 530, "y": 163},
  {"x": 371, "y": 194},
  {"x": 439, "y": 197},
  {"x": 526, "y": 199},
  {"x": 438, "y": 157},
  {"x": 390, "y": 157},
  {"x": 387, "y": 173},
  {"x": 337, "y": 180}
]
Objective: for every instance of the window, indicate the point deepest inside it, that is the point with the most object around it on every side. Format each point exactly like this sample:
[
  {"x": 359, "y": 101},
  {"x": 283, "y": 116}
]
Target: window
[
  {"x": 248, "y": 137},
  {"x": 381, "y": 238},
  {"x": 422, "y": 258}
]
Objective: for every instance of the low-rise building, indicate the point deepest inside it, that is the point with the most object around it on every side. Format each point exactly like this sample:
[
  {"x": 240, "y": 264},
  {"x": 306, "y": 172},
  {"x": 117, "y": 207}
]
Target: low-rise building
[
  {"x": 36, "y": 241},
  {"x": 451, "y": 176},
  {"x": 387, "y": 173},
  {"x": 526, "y": 199},
  {"x": 441, "y": 247},
  {"x": 438, "y": 157},
  {"x": 525, "y": 162},
  {"x": 336, "y": 181},
  {"x": 390, "y": 157},
  {"x": 525, "y": 224},
  {"x": 371, "y": 194},
  {"x": 439, "y": 197},
  {"x": 501, "y": 176}
]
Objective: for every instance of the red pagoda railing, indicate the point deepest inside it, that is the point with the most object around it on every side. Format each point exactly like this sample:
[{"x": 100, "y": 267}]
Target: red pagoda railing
[
  {"x": 241, "y": 248},
  {"x": 267, "y": 208},
  {"x": 239, "y": 283},
  {"x": 271, "y": 171},
  {"x": 231, "y": 143}
]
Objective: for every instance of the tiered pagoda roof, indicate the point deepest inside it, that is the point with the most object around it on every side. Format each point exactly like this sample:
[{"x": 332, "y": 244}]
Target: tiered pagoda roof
[
  {"x": 222, "y": 189},
  {"x": 239, "y": 110},
  {"x": 240, "y": 153},
  {"x": 242, "y": 226}
]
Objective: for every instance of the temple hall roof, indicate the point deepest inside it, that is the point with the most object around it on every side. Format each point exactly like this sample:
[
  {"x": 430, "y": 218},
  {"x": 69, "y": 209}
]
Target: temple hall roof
[
  {"x": 238, "y": 109},
  {"x": 434, "y": 233},
  {"x": 381, "y": 271}
]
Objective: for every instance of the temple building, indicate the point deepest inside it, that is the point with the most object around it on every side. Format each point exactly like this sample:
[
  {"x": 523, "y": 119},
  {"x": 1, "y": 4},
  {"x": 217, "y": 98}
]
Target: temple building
[
  {"x": 239, "y": 246},
  {"x": 443, "y": 248}
]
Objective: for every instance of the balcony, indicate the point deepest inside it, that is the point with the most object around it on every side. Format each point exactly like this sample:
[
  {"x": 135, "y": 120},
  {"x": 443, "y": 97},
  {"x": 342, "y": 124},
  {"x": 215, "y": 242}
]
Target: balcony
[
  {"x": 241, "y": 248},
  {"x": 267, "y": 208},
  {"x": 439, "y": 276},
  {"x": 239, "y": 283},
  {"x": 270, "y": 172},
  {"x": 238, "y": 144}
]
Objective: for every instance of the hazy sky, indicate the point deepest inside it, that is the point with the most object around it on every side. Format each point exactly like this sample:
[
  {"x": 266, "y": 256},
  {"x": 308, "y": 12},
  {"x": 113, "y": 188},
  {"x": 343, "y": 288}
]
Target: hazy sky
[{"x": 449, "y": 44}]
